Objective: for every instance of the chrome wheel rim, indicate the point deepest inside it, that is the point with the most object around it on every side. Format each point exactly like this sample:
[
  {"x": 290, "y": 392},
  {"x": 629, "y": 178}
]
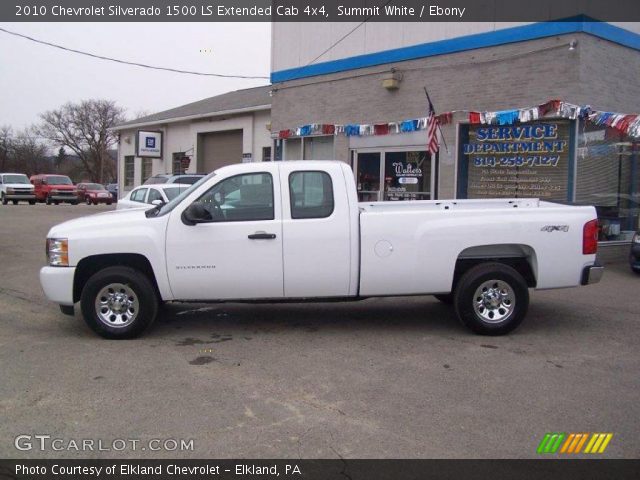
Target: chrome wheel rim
[
  {"x": 117, "y": 305},
  {"x": 494, "y": 301}
]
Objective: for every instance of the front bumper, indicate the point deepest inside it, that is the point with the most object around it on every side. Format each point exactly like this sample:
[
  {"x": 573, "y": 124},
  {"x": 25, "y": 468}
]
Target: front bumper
[
  {"x": 108, "y": 199},
  {"x": 20, "y": 196},
  {"x": 63, "y": 198},
  {"x": 592, "y": 274},
  {"x": 57, "y": 284}
]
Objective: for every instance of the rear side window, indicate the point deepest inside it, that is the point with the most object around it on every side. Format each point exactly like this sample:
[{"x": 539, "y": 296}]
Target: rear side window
[{"x": 311, "y": 194}]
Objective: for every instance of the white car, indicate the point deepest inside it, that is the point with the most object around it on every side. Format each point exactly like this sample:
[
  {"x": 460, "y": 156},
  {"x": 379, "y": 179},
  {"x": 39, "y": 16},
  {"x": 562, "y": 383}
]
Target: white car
[
  {"x": 283, "y": 231},
  {"x": 145, "y": 196},
  {"x": 16, "y": 187}
]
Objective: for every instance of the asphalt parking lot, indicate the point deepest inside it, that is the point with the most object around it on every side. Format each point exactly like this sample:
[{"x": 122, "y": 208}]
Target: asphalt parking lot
[{"x": 381, "y": 378}]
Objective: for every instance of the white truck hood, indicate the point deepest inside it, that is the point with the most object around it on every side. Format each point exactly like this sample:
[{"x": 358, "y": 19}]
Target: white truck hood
[
  {"x": 100, "y": 223},
  {"x": 18, "y": 185}
]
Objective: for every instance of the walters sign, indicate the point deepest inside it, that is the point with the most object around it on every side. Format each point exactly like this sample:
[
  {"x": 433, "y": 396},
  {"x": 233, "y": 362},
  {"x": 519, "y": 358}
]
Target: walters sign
[{"x": 528, "y": 160}]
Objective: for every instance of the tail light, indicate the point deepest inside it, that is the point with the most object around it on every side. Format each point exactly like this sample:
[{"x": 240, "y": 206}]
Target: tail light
[{"x": 590, "y": 238}]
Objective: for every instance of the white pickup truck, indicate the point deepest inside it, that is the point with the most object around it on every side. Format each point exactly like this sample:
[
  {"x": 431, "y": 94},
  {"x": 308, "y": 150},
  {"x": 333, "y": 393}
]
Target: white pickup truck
[{"x": 295, "y": 230}]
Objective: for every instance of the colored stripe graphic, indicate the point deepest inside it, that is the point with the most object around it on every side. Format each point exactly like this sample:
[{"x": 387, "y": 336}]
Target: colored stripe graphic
[
  {"x": 572, "y": 443},
  {"x": 551, "y": 442}
]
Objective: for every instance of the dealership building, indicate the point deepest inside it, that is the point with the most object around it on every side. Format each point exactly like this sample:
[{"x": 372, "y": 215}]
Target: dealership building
[
  {"x": 197, "y": 137},
  {"x": 525, "y": 109}
]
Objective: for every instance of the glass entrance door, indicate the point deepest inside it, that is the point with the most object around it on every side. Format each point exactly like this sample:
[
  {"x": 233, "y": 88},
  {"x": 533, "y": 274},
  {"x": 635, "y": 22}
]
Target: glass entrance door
[{"x": 368, "y": 165}]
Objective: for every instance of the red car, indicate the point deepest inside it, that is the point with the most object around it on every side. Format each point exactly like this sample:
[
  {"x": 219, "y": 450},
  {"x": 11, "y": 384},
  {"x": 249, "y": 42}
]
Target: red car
[
  {"x": 54, "y": 189},
  {"x": 93, "y": 193}
]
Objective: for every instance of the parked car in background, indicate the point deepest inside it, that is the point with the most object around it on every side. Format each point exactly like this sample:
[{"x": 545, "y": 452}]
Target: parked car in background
[
  {"x": 147, "y": 195},
  {"x": 93, "y": 194},
  {"x": 50, "y": 188},
  {"x": 634, "y": 254},
  {"x": 15, "y": 187},
  {"x": 187, "y": 178},
  {"x": 112, "y": 188}
]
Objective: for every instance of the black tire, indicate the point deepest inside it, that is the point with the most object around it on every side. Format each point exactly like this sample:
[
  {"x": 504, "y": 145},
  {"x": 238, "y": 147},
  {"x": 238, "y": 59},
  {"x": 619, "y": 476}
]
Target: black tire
[
  {"x": 56, "y": 202},
  {"x": 108, "y": 203},
  {"x": 135, "y": 281},
  {"x": 32, "y": 202},
  {"x": 15, "y": 202},
  {"x": 4, "y": 200},
  {"x": 88, "y": 201},
  {"x": 73, "y": 203},
  {"x": 48, "y": 200},
  {"x": 513, "y": 306},
  {"x": 446, "y": 298}
]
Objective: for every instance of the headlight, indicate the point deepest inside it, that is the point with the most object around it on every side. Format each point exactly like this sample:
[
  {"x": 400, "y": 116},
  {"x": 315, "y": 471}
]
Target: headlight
[
  {"x": 58, "y": 252},
  {"x": 53, "y": 190},
  {"x": 636, "y": 238},
  {"x": 10, "y": 190}
]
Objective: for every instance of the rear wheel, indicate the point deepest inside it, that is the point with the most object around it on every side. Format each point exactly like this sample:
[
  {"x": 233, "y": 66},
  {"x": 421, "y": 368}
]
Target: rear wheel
[
  {"x": 491, "y": 299},
  {"x": 119, "y": 303}
]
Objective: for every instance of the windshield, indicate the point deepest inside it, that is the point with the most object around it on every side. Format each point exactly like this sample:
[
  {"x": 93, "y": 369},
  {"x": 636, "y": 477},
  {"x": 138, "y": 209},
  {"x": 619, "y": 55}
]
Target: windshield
[
  {"x": 59, "y": 181},
  {"x": 94, "y": 186},
  {"x": 167, "y": 207},
  {"x": 156, "y": 180},
  {"x": 16, "y": 179}
]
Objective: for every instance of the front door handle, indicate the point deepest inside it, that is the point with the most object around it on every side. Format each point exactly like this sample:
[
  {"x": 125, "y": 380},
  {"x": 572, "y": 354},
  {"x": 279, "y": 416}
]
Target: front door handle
[{"x": 262, "y": 236}]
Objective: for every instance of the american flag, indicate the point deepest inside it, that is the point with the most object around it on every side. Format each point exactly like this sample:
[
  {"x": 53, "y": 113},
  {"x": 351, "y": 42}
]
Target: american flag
[{"x": 432, "y": 131}]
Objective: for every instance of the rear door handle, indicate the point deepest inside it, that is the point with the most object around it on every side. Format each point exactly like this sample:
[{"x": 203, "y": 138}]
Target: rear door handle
[{"x": 262, "y": 236}]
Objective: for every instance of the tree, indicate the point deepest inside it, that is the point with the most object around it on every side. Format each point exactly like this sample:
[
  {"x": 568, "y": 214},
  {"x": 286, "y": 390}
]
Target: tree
[
  {"x": 60, "y": 157},
  {"x": 28, "y": 155},
  {"x": 84, "y": 129},
  {"x": 6, "y": 143}
]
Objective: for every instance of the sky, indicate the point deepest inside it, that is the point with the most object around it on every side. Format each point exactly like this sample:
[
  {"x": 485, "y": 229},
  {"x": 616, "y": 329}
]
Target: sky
[{"x": 35, "y": 78}]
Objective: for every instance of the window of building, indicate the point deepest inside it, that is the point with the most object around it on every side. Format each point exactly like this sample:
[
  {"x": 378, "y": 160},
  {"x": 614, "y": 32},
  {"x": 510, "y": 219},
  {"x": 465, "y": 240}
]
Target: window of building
[
  {"x": 318, "y": 148},
  {"x": 138, "y": 195},
  {"x": 311, "y": 194},
  {"x": 147, "y": 168},
  {"x": 177, "y": 167},
  {"x": 247, "y": 197},
  {"x": 266, "y": 154},
  {"x": 129, "y": 170}
]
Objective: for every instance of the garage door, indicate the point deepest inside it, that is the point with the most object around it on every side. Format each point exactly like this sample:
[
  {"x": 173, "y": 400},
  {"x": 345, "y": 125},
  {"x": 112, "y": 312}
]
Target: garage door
[{"x": 218, "y": 149}]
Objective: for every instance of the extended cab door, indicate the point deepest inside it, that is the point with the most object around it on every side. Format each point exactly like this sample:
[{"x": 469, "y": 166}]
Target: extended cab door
[
  {"x": 237, "y": 254},
  {"x": 320, "y": 251}
]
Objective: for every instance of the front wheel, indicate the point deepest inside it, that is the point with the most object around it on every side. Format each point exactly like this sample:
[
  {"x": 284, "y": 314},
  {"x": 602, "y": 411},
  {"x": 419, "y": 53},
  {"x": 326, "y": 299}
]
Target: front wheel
[
  {"x": 48, "y": 200},
  {"x": 119, "y": 303},
  {"x": 88, "y": 200},
  {"x": 491, "y": 299},
  {"x": 15, "y": 202},
  {"x": 4, "y": 200},
  {"x": 32, "y": 202}
]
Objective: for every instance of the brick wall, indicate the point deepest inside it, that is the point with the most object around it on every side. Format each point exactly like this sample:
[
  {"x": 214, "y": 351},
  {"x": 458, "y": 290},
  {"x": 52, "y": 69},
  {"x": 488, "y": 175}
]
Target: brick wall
[{"x": 598, "y": 72}]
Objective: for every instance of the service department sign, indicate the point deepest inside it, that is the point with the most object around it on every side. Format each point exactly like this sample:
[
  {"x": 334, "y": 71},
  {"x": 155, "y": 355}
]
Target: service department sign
[{"x": 149, "y": 144}]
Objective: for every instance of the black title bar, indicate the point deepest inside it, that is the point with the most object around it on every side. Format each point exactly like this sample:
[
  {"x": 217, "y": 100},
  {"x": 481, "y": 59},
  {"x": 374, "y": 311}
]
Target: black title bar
[
  {"x": 319, "y": 469},
  {"x": 316, "y": 10}
]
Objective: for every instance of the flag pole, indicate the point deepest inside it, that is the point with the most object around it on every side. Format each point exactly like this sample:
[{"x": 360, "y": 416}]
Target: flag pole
[{"x": 434, "y": 112}]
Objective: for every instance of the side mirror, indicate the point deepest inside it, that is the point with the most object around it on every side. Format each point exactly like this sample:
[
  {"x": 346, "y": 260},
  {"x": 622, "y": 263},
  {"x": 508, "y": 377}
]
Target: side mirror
[
  {"x": 157, "y": 202},
  {"x": 195, "y": 213}
]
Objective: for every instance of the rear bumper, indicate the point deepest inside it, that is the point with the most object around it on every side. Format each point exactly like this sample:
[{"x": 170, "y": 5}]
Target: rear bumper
[
  {"x": 57, "y": 284},
  {"x": 592, "y": 274}
]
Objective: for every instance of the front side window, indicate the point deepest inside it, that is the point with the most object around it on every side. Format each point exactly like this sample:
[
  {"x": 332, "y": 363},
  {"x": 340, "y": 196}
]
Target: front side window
[
  {"x": 154, "y": 195},
  {"x": 311, "y": 194},
  {"x": 138, "y": 195},
  {"x": 247, "y": 197}
]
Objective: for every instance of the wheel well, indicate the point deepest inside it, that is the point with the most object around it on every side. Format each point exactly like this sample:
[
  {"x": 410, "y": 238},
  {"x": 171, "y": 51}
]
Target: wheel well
[
  {"x": 90, "y": 265},
  {"x": 520, "y": 257}
]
